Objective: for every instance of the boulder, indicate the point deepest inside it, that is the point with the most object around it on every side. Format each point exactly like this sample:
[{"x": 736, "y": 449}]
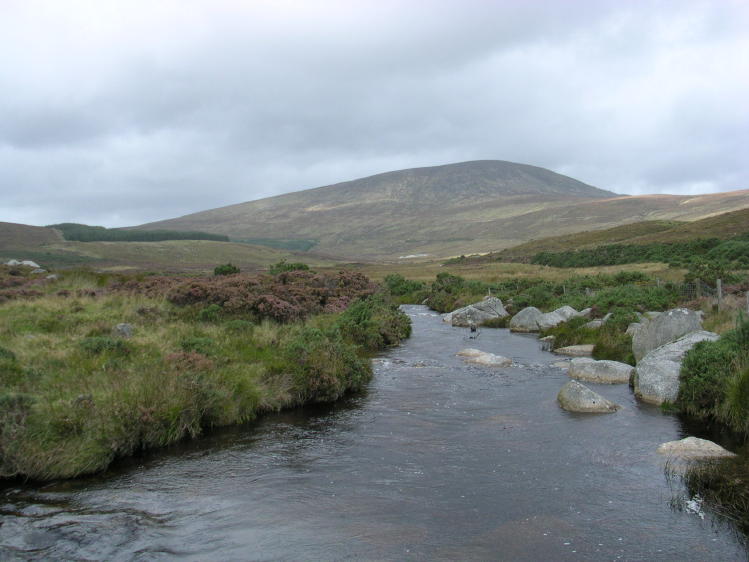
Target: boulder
[
  {"x": 664, "y": 328},
  {"x": 489, "y": 360},
  {"x": 608, "y": 372},
  {"x": 585, "y": 350},
  {"x": 526, "y": 320},
  {"x": 52, "y": 277},
  {"x": 39, "y": 270},
  {"x": 656, "y": 378},
  {"x": 549, "y": 320},
  {"x": 576, "y": 397},
  {"x": 487, "y": 309},
  {"x": 123, "y": 330},
  {"x": 566, "y": 312},
  {"x": 469, "y": 352},
  {"x": 594, "y": 325},
  {"x": 633, "y": 328},
  {"x": 30, "y": 263},
  {"x": 586, "y": 312},
  {"x": 12, "y": 262},
  {"x": 694, "y": 448}
]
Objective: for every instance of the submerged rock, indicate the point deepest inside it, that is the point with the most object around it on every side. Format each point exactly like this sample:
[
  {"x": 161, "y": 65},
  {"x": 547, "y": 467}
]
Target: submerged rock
[
  {"x": 576, "y": 397},
  {"x": 584, "y": 350},
  {"x": 664, "y": 328},
  {"x": 488, "y": 360},
  {"x": 694, "y": 448},
  {"x": 607, "y": 372},
  {"x": 469, "y": 352},
  {"x": 656, "y": 378},
  {"x": 526, "y": 320}
]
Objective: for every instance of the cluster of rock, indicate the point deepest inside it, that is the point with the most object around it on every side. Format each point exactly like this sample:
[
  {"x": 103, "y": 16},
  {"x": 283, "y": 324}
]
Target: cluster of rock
[
  {"x": 531, "y": 319},
  {"x": 28, "y": 263},
  {"x": 659, "y": 342},
  {"x": 477, "y": 313}
]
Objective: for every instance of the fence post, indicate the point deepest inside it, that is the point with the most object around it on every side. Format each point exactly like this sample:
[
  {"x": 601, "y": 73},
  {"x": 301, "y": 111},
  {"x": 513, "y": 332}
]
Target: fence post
[
  {"x": 698, "y": 288},
  {"x": 747, "y": 302},
  {"x": 719, "y": 287},
  {"x": 657, "y": 281}
]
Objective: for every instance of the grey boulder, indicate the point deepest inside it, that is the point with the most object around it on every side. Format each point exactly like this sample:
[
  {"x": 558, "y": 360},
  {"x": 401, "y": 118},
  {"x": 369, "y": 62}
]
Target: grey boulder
[
  {"x": 693, "y": 448},
  {"x": 664, "y": 328},
  {"x": 607, "y": 372},
  {"x": 526, "y": 320},
  {"x": 487, "y": 309},
  {"x": 656, "y": 378},
  {"x": 489, "y": 360},
  {"x": 576, "y": 397},
  {"x": 582, "y": 350}
]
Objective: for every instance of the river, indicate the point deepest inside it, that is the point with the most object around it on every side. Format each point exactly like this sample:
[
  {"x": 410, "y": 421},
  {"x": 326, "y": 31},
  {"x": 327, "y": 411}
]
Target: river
[{"x": 437, "y": 460}]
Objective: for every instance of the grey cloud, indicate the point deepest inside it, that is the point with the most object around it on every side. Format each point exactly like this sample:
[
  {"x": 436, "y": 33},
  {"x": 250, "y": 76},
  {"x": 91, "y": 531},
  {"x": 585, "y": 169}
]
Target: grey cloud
[{"x": 187, "y": 109}]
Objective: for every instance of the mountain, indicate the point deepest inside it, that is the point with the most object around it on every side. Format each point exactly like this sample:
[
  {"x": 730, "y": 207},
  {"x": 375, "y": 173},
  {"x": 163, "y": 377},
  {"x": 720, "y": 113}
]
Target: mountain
[{"x": 442, "y": 210}]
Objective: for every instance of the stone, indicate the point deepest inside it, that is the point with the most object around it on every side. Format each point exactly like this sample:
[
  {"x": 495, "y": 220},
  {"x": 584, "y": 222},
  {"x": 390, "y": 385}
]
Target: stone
[
  {"x": 30, "y": 263},
  {"x": 487, "y": 309},
  {"x": 633, "y": 328},
  {"x": 526, "y": 320},
  {"x": 694, "y": 448},
  {"x": 39, "y": 270},
  {"x": 594, "y": 325},
  {"x": 469, "y": 352},
  {"x": 52, "y": 277},
  {"x": 576, "y": 397},
  {"x": 566, "y": 312},
  {"x": 547, "y": 343},
  {"x": 584, "y": 350},
  {"x": 585, "y": 312},
  {"x": 489, "y": 360},
  {"x": 12, "y": 262},
  {"x": 123, "y": 330},
  {"x": 606, "y": 372},
  {"x": 664, "y": 328},
  {"x": 656, "y": 378},
  {"x": 549, "y": 320}
]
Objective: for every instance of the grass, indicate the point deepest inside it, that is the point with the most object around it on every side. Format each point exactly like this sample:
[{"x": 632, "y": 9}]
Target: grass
[{"x": 74, "y": 396}]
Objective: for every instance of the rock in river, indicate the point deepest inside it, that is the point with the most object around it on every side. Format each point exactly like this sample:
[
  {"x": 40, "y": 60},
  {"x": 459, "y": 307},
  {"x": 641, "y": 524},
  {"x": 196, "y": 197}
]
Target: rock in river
[
  {"x": 694, "y": 448},
  {"x": 487, "y": 309},
  {"x": 576, "y": 397},
  {"x": 526, "y": 320},
  {"x": 608, "y": 372},
  {"x": 488, "y": 359},
  {"x": 585, "y": 350}
]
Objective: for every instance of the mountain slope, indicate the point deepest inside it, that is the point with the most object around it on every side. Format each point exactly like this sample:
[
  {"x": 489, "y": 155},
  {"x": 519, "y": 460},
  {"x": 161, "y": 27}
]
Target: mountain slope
[{"x": 443, "y": 210}]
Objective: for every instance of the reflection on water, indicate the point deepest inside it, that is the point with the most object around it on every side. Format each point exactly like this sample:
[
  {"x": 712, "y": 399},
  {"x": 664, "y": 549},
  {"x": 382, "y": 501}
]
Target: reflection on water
[{"x": 438, "y": 460}]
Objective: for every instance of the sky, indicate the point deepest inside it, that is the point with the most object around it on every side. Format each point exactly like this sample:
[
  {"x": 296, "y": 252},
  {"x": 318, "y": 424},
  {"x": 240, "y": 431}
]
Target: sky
[{"x": 121, "y": 113}]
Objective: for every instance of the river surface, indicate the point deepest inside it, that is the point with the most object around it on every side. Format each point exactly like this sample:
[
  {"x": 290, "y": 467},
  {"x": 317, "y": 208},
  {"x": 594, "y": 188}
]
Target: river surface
[{"x": 437, "y": 460}]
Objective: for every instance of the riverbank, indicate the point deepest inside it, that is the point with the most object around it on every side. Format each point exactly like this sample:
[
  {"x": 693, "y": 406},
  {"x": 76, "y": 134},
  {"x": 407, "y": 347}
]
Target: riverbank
[{"x": 92, "y": 369}]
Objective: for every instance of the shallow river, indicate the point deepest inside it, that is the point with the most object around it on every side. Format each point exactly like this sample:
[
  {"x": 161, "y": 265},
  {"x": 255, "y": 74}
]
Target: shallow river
[{"x": 436, "y": 461}]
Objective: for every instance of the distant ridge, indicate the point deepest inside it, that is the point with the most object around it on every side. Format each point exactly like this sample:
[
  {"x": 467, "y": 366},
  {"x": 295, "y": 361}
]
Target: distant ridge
[{"x": 445, "y": 210}]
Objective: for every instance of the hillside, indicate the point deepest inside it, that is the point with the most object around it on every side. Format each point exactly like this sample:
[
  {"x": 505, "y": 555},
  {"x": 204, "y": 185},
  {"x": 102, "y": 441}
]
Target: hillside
[
  {"x": 723, "y": 226},
  {"x": 444, "y": 210},
  {"x": 47, "y": 247}
]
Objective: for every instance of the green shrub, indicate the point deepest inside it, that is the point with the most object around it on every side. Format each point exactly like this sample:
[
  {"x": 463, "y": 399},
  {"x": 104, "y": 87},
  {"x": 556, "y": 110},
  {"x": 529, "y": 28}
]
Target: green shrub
[
  {"x": 210, "y": 313},
  {"x": 323, "y": 366},
  {"x": 225, "y": 269},
  {"x": 284, "y": 266},
  {"x": 572, "y": 332},
  {"x": 103, "y": 344},
  {"x": 198, "y": 344},
  {"x": 6, "y": 355},
  {"x": 614, "y": 345},
  {"x": 238, "y": 325},
  {"x": 374, "y": 323}
]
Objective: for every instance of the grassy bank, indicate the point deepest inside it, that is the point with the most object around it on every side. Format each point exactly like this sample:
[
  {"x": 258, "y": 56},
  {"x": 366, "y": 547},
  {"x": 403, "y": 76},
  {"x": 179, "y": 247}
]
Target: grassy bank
[{"x": 75, "y": 394}]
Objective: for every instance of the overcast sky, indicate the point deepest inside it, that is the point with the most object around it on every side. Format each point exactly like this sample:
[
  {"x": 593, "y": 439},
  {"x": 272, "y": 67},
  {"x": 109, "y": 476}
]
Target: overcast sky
[{"x": 119, "y": 113}]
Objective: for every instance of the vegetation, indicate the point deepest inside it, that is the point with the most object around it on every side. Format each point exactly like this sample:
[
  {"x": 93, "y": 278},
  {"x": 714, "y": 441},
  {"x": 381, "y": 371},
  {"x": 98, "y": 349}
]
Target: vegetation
[
  {"x": 74, "y": 395},
  {"x": 293, "y": 244},
  {"x": 226, "y": 269},
  {"x": 283, "y": 266},
  {"x": 715, "y": 379},
  {"x": 85, "y": 233}
]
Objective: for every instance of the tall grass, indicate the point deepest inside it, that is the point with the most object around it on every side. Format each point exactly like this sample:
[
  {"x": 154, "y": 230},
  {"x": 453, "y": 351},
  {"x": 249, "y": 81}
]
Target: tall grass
[{"x": 74, "y": 395}]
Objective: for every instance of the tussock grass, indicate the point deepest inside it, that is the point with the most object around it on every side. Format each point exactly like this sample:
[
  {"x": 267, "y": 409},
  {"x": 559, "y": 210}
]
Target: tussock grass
[{"x": 74, "y": 395}]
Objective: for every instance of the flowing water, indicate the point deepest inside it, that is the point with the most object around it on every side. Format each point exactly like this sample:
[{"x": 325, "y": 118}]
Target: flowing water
[{"x": 438, "y": 460}]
